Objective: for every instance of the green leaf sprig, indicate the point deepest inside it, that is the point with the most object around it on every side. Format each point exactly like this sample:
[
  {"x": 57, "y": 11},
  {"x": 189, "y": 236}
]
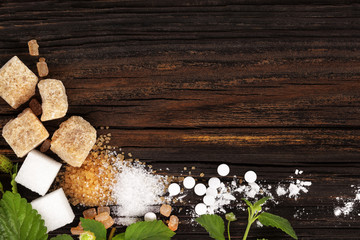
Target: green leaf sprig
[{"x": 215, "y": 226}]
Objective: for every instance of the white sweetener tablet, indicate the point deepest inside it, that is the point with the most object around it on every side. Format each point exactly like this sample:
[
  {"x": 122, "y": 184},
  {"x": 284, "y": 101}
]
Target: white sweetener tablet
[
  {"x": 223, "y": 169},
  {"x": 174, "y": 189},
  {"x": 200, "y": 209},
  {"x": 209, "y": 200},
  {"x": 189, "y": 182},
  {"x": 150, "y": 216},
  {"x": 250, "y": 176},
  {"x": 200, "y": 189},
  {"x": 214, "y": 182},
  {"x": 211, "y": 191}
]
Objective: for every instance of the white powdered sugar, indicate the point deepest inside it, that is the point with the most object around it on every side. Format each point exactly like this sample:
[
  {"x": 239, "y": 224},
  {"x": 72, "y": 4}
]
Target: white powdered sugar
[
  {"x": 136, "y": 191},
  {"x": 348, "y": 205}
]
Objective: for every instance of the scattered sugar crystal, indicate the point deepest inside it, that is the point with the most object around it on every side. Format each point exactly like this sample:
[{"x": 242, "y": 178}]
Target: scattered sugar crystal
[
  {"x": 200, "y": 189},
  {"x": 174, "y": 189},
  {"x": 259, "y": 224},
  {"x": 296, "y": 171},
  {"x": 223, "y": 169},
  {"x": 189, "y": 182},
  {"x": 150, "y": 216},
  {"x": 38, "y": 172},
  {"x": 200, "y": 209},
  {"x": 280, "y": 191},
  {"x": 55, "y": 209},
  {"x": 293, "y": 190},
  {"x": 250, "y": 176},
  {"x": 214, "y": 182}
]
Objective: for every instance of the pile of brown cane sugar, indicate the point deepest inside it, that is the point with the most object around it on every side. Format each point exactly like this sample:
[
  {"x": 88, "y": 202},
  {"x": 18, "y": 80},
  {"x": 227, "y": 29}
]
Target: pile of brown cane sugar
[{"x": 91, "y": 184}]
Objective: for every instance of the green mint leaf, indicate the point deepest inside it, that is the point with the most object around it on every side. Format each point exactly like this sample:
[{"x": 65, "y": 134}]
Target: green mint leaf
[
  {"x": 257, "y": 206},
  {"x": 87, "y": 235},
  {"x": 120, "y": 236},
  {"x": 153, "y": 230},
  {"x": 62, "y": 237},
  {"x": 247, "y": 203},
  {"x": 213, "y": 224},
  {"x": 268, "y": 219},
  {"x": 95, "y": 227},
  {"x": 18, "y": 220},
  {"x": 230, "y": 217},
  {"x": 5, "y": 164}
]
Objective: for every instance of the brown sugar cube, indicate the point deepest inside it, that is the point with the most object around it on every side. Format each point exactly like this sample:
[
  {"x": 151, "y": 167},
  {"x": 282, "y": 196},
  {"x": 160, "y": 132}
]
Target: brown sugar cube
[
  {"x": 165, "y": 210},
  {"x": 33, "y": 47},
  {"x": 73, "y": 141},
  {"x": 42, "y": 68},
  {"x": 103, "y": 209},
  {"x": 54, "y": 99},
  {"x": 45, "y": 146},
  {"x": 102, "y": 216},
  {"x": 89, "y": 213},
  {"x": 35, "y": 106},
  {"x": 76, "y": 230},
  {"x": 17, "y": 82},
  {"x": 24, "y": 133},
  {"x": 173, "y": 223},
  {"x": 108, "y": 222}
]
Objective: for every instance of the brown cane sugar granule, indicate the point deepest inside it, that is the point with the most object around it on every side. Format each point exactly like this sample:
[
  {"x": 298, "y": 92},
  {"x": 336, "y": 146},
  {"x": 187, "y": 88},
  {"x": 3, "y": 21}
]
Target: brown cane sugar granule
[
  {"x": 35, "y": 106},
  {"x": 33, "y": 47},
  {"x": 42, "y": 68},
  {"x": 45, "y": 146},
  {"x": 90, "y": 184}
]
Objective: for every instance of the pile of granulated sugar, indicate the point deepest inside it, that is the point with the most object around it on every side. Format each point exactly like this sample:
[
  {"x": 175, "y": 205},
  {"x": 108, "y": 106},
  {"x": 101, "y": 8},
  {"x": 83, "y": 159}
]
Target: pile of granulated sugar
[
  {"x": 348, "y": 205},
  {"x": 137, "y": 190}
]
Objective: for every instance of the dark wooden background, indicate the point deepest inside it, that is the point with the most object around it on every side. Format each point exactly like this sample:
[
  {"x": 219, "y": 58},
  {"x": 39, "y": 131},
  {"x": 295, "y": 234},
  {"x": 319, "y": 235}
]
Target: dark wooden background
[{"x": 269, "y": 85}]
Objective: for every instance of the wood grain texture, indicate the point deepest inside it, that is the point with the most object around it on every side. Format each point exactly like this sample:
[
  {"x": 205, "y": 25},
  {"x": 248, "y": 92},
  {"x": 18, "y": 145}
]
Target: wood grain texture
[{"x": 265, "y": 85}]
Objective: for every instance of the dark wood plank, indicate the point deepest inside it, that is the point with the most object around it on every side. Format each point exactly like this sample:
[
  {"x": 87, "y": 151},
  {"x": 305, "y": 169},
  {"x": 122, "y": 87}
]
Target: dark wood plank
[{"x": 264, "y": 85}]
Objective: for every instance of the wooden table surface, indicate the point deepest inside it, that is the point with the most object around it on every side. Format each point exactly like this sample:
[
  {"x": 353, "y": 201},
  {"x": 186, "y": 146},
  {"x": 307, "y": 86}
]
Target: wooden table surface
[{"x": 271, "y": 86}]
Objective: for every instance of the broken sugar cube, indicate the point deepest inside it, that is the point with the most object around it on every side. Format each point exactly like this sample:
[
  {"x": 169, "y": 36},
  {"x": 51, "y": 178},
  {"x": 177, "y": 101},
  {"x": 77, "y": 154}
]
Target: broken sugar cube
[
  {"x": 89, "y": 213},
  {"x": 73, "y": 141},
  {"x": 103, "y": 209},
  {"x": 24, "y": 133},
  {"x": 38, "y": 172},
  {"x": 108, "y": 222},
  {"x": 102, "y": 216},
  {"x": 42, "y": 68},
  {"x": 165, "y": 210},
  {"x": 54, "y": 99},
  {"x": 173, "y": 223},
  {"x": 17, "y": 82},
  {"x": 55, "y": 209},
  {"x": 76, "y": 230},
  {"x": 33, "y": 47}
]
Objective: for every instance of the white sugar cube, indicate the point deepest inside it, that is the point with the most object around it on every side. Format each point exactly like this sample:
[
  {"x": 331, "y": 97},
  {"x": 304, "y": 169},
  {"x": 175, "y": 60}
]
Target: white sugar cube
[
  {"x": 55, "y": 209},
  {"x": 38, "y": 172}
]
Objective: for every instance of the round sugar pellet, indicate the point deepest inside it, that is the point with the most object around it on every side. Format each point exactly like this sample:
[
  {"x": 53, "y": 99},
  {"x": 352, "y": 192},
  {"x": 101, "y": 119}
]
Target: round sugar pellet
[
  {"x": 211, "y": 191},
  {"x": 150, "y": 216},
  {"x": 223, "y": 169},
  {"x": 189, "y": 182},
  {"x": 250, "y": 176},
  {"x": 200, "y": 209},
  {"x": 200, "y": 189},
  {"x": 209, "y": 200},
  {"x": 214, "y": 182},
  {"x": 174, "y": 189}
]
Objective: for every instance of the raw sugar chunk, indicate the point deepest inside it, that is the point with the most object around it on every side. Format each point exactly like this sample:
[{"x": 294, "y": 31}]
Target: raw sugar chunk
[
  {"x": 33, "y": 47},
  {"x": 17, "y": 82},
  {"x": 54, "y": 99},
  {"x": 24, "y": 133},
  {"x": 73, "y": 141},
  {"x": 38, "y": 172},
  {"x": 42, "y": 68},
  {"x": 55, "y": 209}
]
